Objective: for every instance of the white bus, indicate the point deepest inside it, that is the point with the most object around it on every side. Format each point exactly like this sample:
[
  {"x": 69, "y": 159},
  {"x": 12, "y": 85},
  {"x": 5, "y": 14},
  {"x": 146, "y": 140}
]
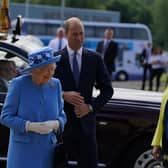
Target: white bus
[{"x": 131, "y": 37}]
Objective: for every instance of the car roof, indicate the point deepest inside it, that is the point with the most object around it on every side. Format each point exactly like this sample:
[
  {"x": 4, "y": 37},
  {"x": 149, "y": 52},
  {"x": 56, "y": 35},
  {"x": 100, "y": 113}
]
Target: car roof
[
  {"x": 134, "y": 95},
  {"x": 20, "y": 46}
]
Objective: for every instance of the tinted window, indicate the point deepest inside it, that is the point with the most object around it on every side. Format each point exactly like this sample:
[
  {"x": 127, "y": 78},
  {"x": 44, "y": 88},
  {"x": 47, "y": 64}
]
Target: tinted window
[
  {"x": 140, "y": 34},
  {"x": 119, "y": 32},
  {"x": 20, "y": 63},
  {"x": 40, "y": 29},
  {"x": 11, "y": 66},
  {"x": 130, "y": 33},
  {"x": 89, "y": 31},
  {"x": 100, "y": 32},
  {"x": 96, "y": 31}
]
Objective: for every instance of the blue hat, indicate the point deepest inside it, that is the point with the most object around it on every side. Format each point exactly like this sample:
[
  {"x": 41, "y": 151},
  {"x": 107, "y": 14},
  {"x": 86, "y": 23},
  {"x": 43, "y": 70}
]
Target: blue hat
[{"x": 40, "y": 58}]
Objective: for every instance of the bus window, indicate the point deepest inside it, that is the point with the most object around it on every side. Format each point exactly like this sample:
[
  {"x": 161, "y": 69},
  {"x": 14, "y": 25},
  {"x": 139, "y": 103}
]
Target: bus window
[
  {"x": 139, "y": 34},
  {"x": 50, "y": 29},
  {"x": 99, "y": 32},
  {"x": 89, "y": 31},
  {"x": 35, "y": 28},
  {"x": 122, "y": 33},
  {"x": 40, "y": 28}
]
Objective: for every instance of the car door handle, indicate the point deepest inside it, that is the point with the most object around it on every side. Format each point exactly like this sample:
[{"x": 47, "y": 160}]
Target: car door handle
[{"x": 103, "y": 123}]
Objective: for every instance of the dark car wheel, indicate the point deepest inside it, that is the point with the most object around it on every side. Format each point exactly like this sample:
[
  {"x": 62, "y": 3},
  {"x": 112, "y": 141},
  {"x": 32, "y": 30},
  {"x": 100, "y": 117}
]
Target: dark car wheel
[
  {"x": 121, "y": 76},
  {"x": 145, "y": 160},
  {"x": 138, "y": 155}
]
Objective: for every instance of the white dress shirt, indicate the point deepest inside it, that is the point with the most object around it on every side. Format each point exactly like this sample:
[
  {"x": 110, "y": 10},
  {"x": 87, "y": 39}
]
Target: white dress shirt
[
  {"x": 159, "y": 59},
  {"x": 54, "y": 43}
]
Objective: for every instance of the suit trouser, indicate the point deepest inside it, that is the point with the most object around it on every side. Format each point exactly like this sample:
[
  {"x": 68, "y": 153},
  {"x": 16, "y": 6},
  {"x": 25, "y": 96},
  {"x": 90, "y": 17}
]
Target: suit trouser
[
  {"x": 165, "y": 164},
  {"x": 155, "y": 73},
  {"x": 83, "y": 148},
  {"x": 110, "y": 68},
  {"x": 147, "y": 67}
]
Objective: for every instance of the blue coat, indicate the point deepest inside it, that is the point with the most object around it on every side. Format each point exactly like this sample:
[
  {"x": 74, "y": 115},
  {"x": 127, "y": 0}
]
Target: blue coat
[{"x": 26, "y": 101}]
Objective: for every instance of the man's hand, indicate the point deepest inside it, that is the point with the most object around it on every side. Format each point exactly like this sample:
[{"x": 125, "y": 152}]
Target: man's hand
[
  {"x": 73, "y": 98},
  {"x": 82, "y": 110},
  {"x": 156, "y": 151}
]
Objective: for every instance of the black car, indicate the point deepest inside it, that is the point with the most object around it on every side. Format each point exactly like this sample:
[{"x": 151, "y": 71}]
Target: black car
[{"x": 125, "y": 125}]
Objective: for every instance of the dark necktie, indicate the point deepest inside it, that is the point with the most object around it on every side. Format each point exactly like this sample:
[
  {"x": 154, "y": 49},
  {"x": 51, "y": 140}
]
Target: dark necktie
[
  {"x": 60, "y": 44},
  {"x": 75, "y": 69},
  {"x": 106, "y": 44}
]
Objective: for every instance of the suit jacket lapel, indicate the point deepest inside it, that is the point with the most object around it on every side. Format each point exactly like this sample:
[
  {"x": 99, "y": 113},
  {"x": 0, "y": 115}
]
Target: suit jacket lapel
[
  {"x": 65, "y": 59},
  {"x": 102, "y": 46},
  {"x": 83, "y": 67},
  {"x": 66, "y": 63}
]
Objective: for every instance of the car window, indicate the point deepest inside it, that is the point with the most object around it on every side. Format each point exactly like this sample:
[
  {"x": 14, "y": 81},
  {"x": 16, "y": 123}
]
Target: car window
[
  {"x": 20, "y": 63},
  {"x": 12, "y": 68},
  {"x": 13, "y": 56}
]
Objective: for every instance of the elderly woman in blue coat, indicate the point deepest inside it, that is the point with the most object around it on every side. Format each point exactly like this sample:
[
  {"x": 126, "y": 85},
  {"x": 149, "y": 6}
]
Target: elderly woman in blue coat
[{"x": 33, "y": 110}]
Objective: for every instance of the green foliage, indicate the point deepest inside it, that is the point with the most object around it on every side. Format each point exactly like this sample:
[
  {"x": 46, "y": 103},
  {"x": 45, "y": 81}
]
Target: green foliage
[
  {"x": 44, "y": 2},
  {"x": 153, "y": 13},
  {"x": 160, "y": 25},
  {"x": 132, "y": 11},
  {"x": 90, "y": 4}
]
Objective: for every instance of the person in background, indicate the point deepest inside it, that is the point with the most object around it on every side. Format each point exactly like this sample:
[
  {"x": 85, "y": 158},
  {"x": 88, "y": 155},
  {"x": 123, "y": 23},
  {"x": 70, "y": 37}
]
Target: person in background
[
  {"x": 60, "y": 41},
  {"x": 7, "y": 72},
  {"x": 33, "y": 110},
  {"x": 78, "y": 70},
  {"x": 15, "y": 69},
  {"x": 144, "y": 59},
  {"x": 160, "y": 139},
  {"x": 108, "y": 49},
  {"x": 157, "y": 62}
]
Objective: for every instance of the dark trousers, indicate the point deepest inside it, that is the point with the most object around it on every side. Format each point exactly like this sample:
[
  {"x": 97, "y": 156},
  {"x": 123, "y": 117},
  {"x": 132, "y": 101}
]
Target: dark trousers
[
  {"x": 81, "y": 147},
  {"x": 146, "y": 69},
  {"x": 110, "y": 69},
  {"x": 165, "y": 163},
  {"x": 155, "y": 73}
]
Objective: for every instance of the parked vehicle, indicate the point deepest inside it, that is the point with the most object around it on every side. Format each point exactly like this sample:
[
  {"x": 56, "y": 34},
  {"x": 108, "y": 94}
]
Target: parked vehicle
[{"x": 125, "y": 125}]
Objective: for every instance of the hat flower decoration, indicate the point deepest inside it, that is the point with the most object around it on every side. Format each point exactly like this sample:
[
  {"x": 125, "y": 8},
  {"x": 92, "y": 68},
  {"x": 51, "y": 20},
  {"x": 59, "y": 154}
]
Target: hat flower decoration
[{"x": 41, "y": 57}]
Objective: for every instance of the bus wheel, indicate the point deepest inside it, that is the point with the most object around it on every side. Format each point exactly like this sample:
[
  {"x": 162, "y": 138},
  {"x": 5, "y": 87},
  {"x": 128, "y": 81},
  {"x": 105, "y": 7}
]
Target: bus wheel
[{"x": 121, "y": 76}]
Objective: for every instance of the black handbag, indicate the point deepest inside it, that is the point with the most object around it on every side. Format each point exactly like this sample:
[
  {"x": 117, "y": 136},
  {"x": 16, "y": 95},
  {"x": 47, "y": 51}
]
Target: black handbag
[{"x": 60, "y": 157}]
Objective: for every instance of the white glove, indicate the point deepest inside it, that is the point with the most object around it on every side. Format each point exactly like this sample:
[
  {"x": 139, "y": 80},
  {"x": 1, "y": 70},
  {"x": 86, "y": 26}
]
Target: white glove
[
  {"x": 38, "y": 127},
  {"x": 53, "y": 124}
]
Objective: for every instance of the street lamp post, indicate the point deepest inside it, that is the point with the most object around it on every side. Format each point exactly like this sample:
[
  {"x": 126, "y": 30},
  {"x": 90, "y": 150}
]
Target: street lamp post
[
  {"x": 62, "y": 11},
  {"x": 27, "y": 9}
]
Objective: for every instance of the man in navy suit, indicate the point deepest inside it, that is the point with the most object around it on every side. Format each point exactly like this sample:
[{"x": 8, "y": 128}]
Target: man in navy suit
[
  {"x": 108, "y": 48},
  {"x": 79, "y": 70}
]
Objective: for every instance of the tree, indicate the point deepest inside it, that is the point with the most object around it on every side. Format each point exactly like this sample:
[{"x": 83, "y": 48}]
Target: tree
[
  {"x": 132, "y": 11},
  {"x": 92, "y": 4},
  {"x": 160, "y": 26}
]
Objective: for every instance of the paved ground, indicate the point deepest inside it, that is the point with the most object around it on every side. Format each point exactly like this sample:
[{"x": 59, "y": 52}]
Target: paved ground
[{"x": 134, "y": 85}]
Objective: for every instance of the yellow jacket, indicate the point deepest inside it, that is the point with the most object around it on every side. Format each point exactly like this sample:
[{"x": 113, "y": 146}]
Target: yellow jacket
[{"x": 157, "y": 139}]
